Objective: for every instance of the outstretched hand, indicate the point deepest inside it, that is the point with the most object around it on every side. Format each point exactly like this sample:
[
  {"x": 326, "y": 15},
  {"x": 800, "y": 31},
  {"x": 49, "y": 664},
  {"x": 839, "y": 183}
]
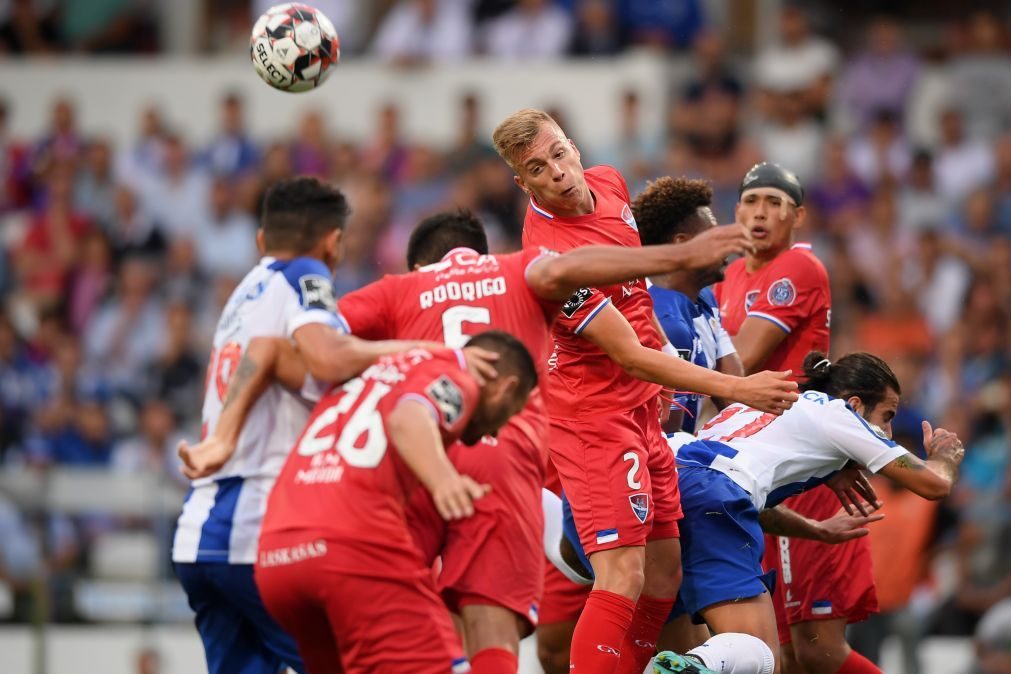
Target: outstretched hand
[
  {"x": 842, "y": 527},
  {"x": 718, "y": 243},
  {"x": 767, "y": 391},
  {"x": 854, "y": 491},
  {"x": 204, "y": 458}
]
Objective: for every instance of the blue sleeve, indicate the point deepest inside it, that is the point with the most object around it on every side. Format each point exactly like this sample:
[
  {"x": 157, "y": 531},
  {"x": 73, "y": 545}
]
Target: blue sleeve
[
  {"x": 311, "y": 280},
  {"x": 679, "y": 332}
]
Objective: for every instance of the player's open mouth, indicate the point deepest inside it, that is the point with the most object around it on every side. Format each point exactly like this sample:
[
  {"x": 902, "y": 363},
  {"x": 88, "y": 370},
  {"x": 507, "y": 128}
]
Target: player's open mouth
[
  {"x": 759, "y": 232},
  {"x": 569, "y": 192}
]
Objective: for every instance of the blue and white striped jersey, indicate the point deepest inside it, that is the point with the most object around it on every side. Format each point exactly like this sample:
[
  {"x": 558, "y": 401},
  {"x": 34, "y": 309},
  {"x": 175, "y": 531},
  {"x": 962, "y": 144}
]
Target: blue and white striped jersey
[
  {"x": 773, "y": 457},
  {"x": 692, "y": 327},
  {"x": 220, "y": 521}
]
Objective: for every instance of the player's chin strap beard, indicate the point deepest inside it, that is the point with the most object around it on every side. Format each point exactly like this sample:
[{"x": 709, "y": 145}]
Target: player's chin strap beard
[{"x": 785, "y": 200}]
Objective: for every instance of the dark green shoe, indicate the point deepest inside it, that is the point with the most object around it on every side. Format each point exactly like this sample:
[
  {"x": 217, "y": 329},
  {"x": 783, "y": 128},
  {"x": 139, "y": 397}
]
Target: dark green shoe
[{"x": 669, "y": 662}]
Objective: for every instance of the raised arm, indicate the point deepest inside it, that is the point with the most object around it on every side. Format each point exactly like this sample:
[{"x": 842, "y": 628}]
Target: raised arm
[
  {"x": 557, "y": 277},
  {"x": 333, "y": 356},
  {"x": 934, "y": 478},
  {"x": 413, "y": 431},
  {"x": 609, "y": 331}
]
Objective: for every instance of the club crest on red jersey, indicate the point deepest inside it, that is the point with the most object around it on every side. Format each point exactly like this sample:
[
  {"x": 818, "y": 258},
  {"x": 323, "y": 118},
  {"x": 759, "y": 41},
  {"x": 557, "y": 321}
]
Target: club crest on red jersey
[
  {"x": 749, "y": 299},
  {"x": 782, "y": 293},
  {"x": 626, "y": 215},
  {"x": 640, "y": 506}
]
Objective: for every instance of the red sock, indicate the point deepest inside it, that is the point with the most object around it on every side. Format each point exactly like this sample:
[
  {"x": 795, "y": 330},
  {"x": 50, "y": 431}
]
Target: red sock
[
  {"x": 640, "y": 641},
  {"x": 597, "y": 640},
  {"x": 858, "y": 664},
  {"x": 494, "y": 661}
]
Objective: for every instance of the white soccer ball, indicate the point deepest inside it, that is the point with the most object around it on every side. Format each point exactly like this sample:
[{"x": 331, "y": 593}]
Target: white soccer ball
[{"x": 294, "y": 47}]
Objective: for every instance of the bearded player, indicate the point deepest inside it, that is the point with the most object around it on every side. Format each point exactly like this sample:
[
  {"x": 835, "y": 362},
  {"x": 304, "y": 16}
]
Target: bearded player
[
  {"x": 606, "y": 440},
  {"x": 776, "y": 304}
]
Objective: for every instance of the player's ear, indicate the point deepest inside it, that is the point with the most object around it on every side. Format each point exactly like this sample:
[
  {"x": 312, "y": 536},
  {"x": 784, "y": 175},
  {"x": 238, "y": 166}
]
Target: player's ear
[
  {"x": 856, "y": 403},
  {"x": 801, "y": 214},
  {"x": 519, "y": 183},
  {"x": 260, "y": 245}
]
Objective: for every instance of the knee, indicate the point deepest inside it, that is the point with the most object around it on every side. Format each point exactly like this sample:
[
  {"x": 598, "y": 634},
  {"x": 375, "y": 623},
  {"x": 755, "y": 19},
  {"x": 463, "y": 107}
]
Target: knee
[
  {"x": 622, "y": 571},
  {"x": 663, "y": 580}
]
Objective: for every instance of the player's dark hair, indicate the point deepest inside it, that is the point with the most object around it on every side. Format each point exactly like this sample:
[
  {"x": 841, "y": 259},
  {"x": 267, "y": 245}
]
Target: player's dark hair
[
  {"x": 667, "y": 207},
  {"x": 438, "y": 234},
  {"x": 300, "y": 211},
  {"x": 857, "y": 374},
  {"x": 513, "y": 356}
]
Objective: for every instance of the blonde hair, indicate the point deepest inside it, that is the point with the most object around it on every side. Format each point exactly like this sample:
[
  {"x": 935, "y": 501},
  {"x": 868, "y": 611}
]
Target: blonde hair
[{"x": 518, "y": 131}]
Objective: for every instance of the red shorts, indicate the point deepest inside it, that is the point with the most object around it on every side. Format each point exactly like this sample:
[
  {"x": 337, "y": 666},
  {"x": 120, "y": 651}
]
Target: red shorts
[
  {"x": 356, "y": 623},
  {"x": 819, "y": 581},
  {"x": 563, "y": 600},
  {"x": 619, "y": 476},
  {"x": 496, "y": 556}
]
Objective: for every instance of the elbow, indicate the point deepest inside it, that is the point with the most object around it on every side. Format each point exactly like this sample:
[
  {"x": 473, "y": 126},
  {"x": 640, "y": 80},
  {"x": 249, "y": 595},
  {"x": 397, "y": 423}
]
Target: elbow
[{"x": 552, "y": 280}]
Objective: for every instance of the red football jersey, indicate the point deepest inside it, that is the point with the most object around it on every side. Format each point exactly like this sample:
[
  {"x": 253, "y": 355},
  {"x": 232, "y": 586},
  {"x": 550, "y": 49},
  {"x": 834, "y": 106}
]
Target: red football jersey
[
  {"x": 584, "y": 380},
  {"x": 792, "y": 292},
  {"x": 463, "y": 294},
  {"x": 345, "y": 482}
]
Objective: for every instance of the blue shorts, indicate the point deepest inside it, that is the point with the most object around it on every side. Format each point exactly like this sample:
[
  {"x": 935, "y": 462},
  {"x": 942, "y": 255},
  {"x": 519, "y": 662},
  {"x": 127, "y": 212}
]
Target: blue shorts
[
  {"x": 239, "y": 635},
  {"x": 721, "y": 541}
]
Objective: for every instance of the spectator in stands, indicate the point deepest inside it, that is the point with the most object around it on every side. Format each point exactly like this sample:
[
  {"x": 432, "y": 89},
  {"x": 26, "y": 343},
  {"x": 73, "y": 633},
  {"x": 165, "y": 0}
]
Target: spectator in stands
[
  {"x": 310, "y": 153},
  {"x": 132, "y": 230},
  {"x": 839, "y": 196},
  {"x": 880, "y": 154},
  {"x": 635, "y": 153},
  {"x": 89, "y": 281},
  {"x": 128, "y": 332},
  {"x": 52, "y": 243},
  {"x": 110, "y": 26},
  {"x": 62, "y": 142},
  {"x": 665, "y": 25},
  {"x": 801, "y": 62},
  {"x": 72, "y": 433},
  {"x": 15, "y": 173},
  {"x": 991, "y": 639},
  {"x": 981, "y": 77},
  {"x": 423, "y": 31},
  {"x": 386, "y": 154},
  {"x": 176, "y": 376},
  {"x": 28, "y": 27},
  {"x": 226, "y": 238},
  {"x": 881, "y": 77},
  {"x": 790, "y": 136},
  {"x": 533, "y": 30},
  {"x": 153, "y": 448},
  {"x": 920, "y": 205},
  {"x": 232, "y": 152},
  {"x": 597, "y": 32},
  {"x": 95, "y": 187},
  {"x": 711, "y": 70},
  {"x": 471, "y": 142},
  {"x": 937, "y": 279},
  {"x": 142, "y": 162},
  {"x": 961, "y": 164},
  {"x": 1002, "y": 183},
  {"x": 177, "y": 197},
  {"x": 22, "y": 387}
]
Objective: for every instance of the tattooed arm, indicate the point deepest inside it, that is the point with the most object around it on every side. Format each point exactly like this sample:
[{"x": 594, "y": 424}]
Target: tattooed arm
[
  {"x": 934, "y": 478},
  {"x": 265, "y": 360},
  {"x": 781, "y": 521}
]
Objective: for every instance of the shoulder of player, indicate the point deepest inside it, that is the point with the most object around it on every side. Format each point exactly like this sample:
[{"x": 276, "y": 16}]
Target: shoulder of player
[
  {"x": 799, "y": 260},
  {"x": 607, "y": 175},
  {"x": 310, "y": 280}
]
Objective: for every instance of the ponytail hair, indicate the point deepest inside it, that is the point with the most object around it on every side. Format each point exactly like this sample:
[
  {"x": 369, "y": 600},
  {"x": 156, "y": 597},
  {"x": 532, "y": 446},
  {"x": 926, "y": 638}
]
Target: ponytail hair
[{"x": 857, "y": 374}]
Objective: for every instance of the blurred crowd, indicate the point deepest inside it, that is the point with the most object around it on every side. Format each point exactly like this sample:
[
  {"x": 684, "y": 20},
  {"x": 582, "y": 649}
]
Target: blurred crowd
[{"x": 116, "y": 260}]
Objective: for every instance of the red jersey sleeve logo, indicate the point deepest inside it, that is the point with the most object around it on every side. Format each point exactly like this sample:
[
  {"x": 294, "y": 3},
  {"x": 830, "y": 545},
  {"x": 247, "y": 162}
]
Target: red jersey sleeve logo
[
  {"x": 749, "y": 299},
  {"x": 447, "y": 398},
  {"x": 782, "y": 293}
]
